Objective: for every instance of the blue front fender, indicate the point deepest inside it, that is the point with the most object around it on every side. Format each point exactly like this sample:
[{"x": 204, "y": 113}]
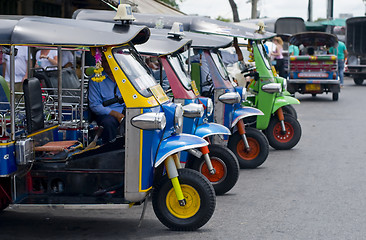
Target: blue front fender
[
  {"x": 208, "y": 129},
  {"x": 178, "y": 143},
  {"x": 244, "y": 112}
]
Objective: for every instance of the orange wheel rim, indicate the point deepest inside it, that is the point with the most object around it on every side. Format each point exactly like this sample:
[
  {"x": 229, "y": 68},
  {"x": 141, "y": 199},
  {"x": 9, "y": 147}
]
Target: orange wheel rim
[
  {"x": 220, "y": 173},
  {"x": 283, "y": 137},
  {"x": 252, "y": 153}
]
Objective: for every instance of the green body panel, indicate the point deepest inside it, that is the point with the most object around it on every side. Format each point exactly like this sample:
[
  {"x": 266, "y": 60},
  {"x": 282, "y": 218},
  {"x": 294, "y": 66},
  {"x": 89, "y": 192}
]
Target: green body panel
[
  {"x": 4, "y": 86},
  {"x": 196, "y": 74},
  {"x": 268, "y": 103},
  {"x": 263, "y": 100},
  {"x": 283, "y": 101}
]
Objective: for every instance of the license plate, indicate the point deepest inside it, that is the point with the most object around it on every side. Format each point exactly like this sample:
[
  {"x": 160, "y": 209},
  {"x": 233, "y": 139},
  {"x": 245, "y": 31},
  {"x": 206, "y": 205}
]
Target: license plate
[{"x": 312, "y": 87}]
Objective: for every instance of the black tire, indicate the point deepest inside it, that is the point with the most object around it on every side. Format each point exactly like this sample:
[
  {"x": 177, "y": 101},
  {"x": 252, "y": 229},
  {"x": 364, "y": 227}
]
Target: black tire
[
  {"x": 358, "y": 81},
  {"x": 281, "y": 141},
  {"x": 191, "y": 182},
  {"x": 313, "y": 94},
  {"x": 226, "y": 165},
  {"x": 335, "y": 96},
  {"x": 258, "y": 144},
  {"x": 4, "y": 193},
  {"x": 289, "y": 109}
]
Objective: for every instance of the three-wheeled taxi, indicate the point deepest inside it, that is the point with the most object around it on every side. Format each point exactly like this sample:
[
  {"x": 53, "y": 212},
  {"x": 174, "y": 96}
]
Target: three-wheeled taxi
[
  {"x": 314, "y": 71},
  {"x": 249, "y": 145},
  {"x": 356, "y": 61},
  {"x": 282, "y": 130},
  {"x": 41, "y": 165},
  {"x": 219, "y": 164}
]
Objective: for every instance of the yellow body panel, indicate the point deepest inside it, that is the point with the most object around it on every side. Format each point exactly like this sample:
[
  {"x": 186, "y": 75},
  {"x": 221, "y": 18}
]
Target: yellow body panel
[{"x": 130, "y": 95}]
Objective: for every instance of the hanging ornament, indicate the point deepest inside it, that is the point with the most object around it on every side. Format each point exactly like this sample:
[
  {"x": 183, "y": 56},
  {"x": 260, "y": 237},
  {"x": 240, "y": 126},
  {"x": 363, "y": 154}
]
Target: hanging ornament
[{"x": 98, "y": 76}]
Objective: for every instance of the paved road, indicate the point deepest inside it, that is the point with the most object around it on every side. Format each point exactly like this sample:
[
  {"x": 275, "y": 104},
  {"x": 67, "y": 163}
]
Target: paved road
[{"x": 315, "y": 191}]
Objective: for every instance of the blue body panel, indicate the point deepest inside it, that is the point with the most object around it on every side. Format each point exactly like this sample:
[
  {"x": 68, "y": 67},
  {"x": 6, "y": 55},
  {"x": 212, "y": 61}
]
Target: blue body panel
[
  {"x": 244, "y": 112},
  {"x": 178, "y": 143},
  {"x": 151, "y": 140},
  {"x": 208, "y": 129},
  {"x": 7, "y": 159}
]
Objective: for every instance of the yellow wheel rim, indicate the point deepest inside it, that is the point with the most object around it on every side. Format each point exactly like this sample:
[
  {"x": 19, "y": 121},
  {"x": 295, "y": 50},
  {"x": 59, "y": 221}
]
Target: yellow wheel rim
[{"x": 193, "y": 202}]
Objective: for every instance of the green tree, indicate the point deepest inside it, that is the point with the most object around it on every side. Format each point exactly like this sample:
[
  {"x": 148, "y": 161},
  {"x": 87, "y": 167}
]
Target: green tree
[
  {"x": 223, "y": 19},
  {"x": 172, "y": 3}
]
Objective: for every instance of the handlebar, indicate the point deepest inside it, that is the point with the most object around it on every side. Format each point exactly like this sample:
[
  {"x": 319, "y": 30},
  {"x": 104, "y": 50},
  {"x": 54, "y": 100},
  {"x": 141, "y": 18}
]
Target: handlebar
[{"x": 111, "y": 101}]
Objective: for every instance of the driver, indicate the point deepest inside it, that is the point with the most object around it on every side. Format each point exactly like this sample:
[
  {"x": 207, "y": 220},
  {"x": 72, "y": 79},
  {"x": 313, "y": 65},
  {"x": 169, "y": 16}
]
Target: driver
[{"x": 105, "y": 99}]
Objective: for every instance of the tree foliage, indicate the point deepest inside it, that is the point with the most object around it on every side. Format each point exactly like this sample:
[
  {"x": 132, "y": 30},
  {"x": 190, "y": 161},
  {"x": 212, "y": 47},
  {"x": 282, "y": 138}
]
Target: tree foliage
[
  {"x": 172, "y": 3},
  {"x": 223, "y": 19}
]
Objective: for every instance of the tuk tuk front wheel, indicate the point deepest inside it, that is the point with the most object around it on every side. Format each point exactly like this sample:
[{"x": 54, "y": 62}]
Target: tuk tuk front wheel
[
  {"x": 335, "y": 96},
  {"x": 289, "y": 109},
  {"x": 259, "y": 148},
  {"x": 283, "y": 140},
  {"x": 200, "y": 201},
  {"x": 224, "y": 162},
  {"x": 358, "y": 81}
]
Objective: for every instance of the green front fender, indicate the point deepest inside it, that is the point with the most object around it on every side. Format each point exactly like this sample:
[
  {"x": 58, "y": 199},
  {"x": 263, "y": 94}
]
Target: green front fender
[{"x": 283, "y": 101}]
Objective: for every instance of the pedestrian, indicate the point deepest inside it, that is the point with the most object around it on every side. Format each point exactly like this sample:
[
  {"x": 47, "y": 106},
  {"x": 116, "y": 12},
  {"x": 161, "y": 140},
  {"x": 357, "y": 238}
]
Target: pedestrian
[
  {"x": 341, "y": 52},
  {"x": 293, "y": 50},
  {"x": 21, "y": 66},
  {"x": 278, "y": 57},
  {"x": 46, "y": 58}
]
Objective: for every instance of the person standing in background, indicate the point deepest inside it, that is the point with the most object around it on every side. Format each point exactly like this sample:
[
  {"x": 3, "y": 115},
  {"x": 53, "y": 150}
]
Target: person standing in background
[
  {"x": 278, "y": 57},
  {"x": 46, "y": 58},
  {"x": 67, "y": 59},
  {"x": 293, "y": 50},
  {"x": 21, "y": 72},
  {"x": 341, "y": 53}
]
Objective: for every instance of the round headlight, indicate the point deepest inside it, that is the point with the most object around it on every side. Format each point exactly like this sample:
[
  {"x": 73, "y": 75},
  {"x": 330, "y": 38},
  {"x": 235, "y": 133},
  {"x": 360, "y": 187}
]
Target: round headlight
[
  {"x": 178, "y": 116},
  {"x": 209, "y": 108},
  {"x": 149, "y": 121},
  {"x": 193, "y": 110}
]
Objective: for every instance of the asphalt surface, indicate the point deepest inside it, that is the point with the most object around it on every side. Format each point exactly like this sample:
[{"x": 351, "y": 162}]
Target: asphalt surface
[{"x": 317, "y": 190}]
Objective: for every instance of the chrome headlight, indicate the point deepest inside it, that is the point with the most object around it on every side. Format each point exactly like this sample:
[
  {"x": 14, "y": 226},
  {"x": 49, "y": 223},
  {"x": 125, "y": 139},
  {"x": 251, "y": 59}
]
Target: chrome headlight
[
  {"x": 230, "y": 98},
  {"x": 272, "y": 88},
  {"x": 193, "y": 110},
  {"x": 178, "y": 116},
  {"x": 244, "y": 94},
  {"x": 149, "y": 121},
  {"x": 209, "y": 107},
  {"x": 284, "y": 85}
]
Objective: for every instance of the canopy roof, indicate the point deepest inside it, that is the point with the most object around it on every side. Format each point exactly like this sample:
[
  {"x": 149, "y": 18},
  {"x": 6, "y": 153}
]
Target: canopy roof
[
  {"x": 200, "y": 41},
  {"x": 313, "y": 39},
  {"x": 68, "y": 32},
  {"x": 161, "y": 44},
  {"x": 190, "y": 23},
  {"x": 282, "y": 25}
]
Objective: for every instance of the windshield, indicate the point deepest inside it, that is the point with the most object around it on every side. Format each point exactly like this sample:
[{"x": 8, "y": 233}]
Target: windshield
[
  {"x": 220, "y": 65},
  {"x": 135, "y": 69},
  {"x": 222, "y": 68},
  {"x": 177, "y": 64},
  {"x": 264, "y": 55}
]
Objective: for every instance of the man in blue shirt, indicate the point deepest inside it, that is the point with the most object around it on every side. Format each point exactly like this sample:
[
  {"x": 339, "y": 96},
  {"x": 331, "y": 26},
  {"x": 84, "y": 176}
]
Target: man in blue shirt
[
  {"x": 100, "y": 95},
  {"x": 341, "y": 53},
  {"x": 293, "y": 50}
]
